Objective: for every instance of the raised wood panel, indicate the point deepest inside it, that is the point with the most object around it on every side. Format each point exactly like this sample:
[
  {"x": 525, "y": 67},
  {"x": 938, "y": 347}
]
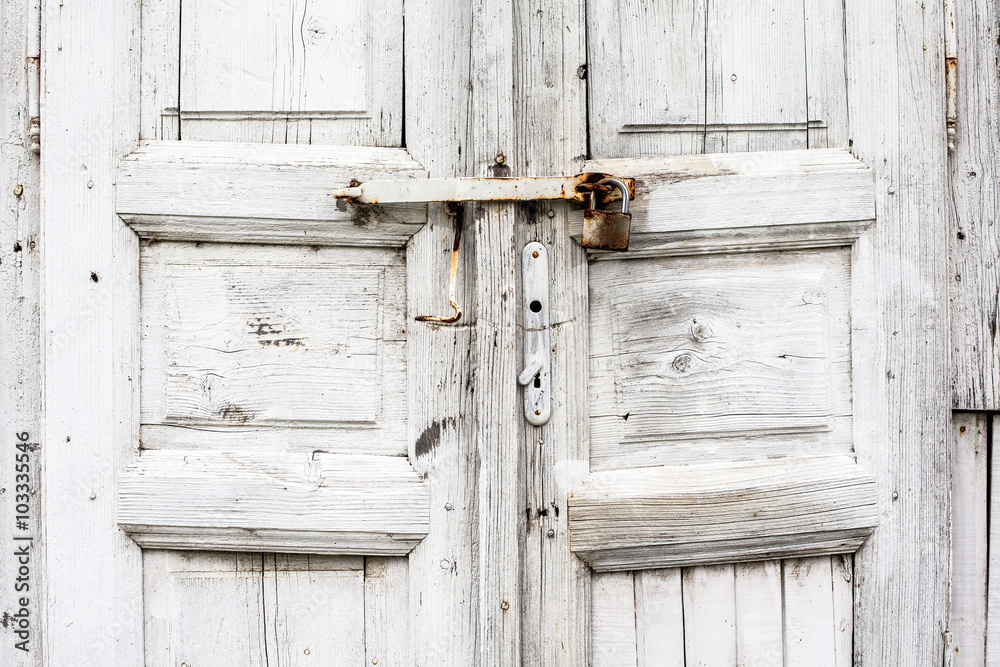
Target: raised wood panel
[
  {"x": 252, "y": 336},
  {"x": 722, "y": 512},
  {"x": 265, "y": 609},
  {"x": 297, "y": 503},
  {"x": 321, "y": 72},
  {"x": 714, "y": 76},
  {"x": 719, "y": 358},
  {"x": 742, "y": 202},
  {"x": 251, "y": 193}
]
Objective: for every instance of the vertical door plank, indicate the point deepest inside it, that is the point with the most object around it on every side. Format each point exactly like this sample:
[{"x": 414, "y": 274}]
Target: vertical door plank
[
  {"x": 756, "y": 76},
  {"x": 759, "y": 614},
  {"x": 659, "y": 612},
  {"x": 969, "y": 539},
  {"x": 809, "y": 614},
  {"x": 387, "y": 612},
  {"x": 90, "y": 335},
  {"x": 826, "y": 80},
  {"x": 843, "y": 609},
  {"x": 20, "y": 381},
  {"x": 993, "y": 581},
  {"x": 902, "y": 415},
  {"x": 442, "y": 570},
  {"x": 974, "y": 198},
  {"x": 550, "y": 118},
  {"x": 613, "y": 631},
  {"x": 160, "y": 75},
  {"x": 710, "y": 615}
]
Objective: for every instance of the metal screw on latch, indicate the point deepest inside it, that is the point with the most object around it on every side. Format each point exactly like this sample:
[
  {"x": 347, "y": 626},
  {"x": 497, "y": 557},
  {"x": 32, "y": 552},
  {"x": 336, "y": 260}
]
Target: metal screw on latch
[{"x": 607, "y": 230}]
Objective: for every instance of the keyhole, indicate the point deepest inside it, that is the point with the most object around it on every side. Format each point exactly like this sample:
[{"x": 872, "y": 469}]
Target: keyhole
[
  {"x": 535, "y": 306},
  {"x": 538, "y": 381}
]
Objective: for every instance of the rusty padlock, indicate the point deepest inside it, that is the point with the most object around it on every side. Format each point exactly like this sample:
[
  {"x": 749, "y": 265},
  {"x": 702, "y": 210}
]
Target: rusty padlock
[{"x": 607, "y": 230}]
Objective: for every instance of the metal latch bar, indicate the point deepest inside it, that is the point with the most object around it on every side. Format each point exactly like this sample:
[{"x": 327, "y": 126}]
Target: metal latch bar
[{"x": 573, "y": 188}]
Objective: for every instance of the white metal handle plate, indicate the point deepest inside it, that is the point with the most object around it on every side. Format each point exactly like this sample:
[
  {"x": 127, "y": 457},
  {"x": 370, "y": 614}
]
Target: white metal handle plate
[{"x": 535, "y": 306}]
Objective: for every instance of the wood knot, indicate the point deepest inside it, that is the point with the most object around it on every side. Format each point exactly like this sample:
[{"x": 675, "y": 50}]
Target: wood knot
[{"x": 681, "y": 363}]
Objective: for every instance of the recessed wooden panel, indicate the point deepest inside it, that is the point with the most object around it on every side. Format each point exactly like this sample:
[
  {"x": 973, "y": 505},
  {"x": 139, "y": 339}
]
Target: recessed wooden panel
[
  {"x": 729, "y": 357},
  {"x": 328, "y": 71},
  {"x": 714, "y": 76},
  {"x": 240, "y": 337},
  {"x": 266, "y": 609}
]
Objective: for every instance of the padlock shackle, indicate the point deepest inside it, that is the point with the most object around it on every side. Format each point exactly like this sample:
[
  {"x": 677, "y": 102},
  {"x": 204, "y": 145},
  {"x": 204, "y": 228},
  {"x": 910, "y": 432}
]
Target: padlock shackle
[{"x": 618, "y": 184}]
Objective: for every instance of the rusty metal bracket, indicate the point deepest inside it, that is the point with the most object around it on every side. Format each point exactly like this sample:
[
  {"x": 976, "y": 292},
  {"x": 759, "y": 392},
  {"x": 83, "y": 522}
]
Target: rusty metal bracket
[
  {"x": 456, "y": 211},
  {"x": 572, "y": 188}
]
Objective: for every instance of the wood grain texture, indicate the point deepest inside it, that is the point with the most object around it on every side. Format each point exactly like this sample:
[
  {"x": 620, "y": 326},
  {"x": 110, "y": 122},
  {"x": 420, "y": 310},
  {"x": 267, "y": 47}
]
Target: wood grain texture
[
  {"x": 712, "y": 76},
  {"x": 160, "y": 75},
  {"x": 810, "y": 628},
  {"x": 709, "y": 616},
  {"x": 760, "y": 614},
  {"x": 973, "y": 205},
  {"x": 666, "y": 516},
  {"x": 20, "y": 386},
  {"x": 90, "y": 324},
  {"x": 899, "y": 320},
  {"x": 613, "y": 623},
  {"x": 748, "y": 201},
  {"x": 318, "y": 503},
  {"x": 659, "y": 618},
  {"x": 969, "y": 539},
  {"x": 720, "y": 358},
  {"x": 216, "y": 191},
  {"x": 265, "y": 609},
  {"x": 993, "y": 563},
  {"x": 321, "y": 72}
]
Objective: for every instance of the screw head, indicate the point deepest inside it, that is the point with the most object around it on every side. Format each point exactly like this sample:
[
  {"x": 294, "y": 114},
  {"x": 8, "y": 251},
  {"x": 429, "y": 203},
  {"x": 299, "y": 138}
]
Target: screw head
[
  {"x": 505, "y": 605},
  {"x": 18, "y": 190},
  {"x": 501, "y": 158},
  {"x": 538, "y": 412},
  {"x": 535, "y": 254}
]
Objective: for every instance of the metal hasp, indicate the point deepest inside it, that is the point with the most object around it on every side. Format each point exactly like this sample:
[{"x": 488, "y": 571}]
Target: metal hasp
[
  {"x": 535, "y": 306},
  {"x": 573, "y": 188},
  {"x": 607, "y": 230}
]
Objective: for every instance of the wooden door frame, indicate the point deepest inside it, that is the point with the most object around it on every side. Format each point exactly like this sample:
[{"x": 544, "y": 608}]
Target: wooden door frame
[{"x": 91, "y": 120}]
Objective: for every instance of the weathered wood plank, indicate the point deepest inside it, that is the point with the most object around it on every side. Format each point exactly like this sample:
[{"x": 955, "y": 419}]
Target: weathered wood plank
[
  {"x": 20, "y": 387},
  {"x": 91, "y": 332},
  {"x": 659, "y": 614},
  {"x": 709, "y": 616},
  {"x": 387, "y": 612},
  {"x": 973, "y": 206},
  {"x": 613, "y": 632},
  {"x": 969, "y": 539},
  {"x": 760, "y": 617},
  {"x": 160, "y": 76},
  {"x": 252, "y": 193},
  {"x": 746, "y": 201},
  {"x": 826, "y": 77},
  {"x": 843, "y": 609},
  {"x": 721, "y": 512},
  {"x": 321, "y": 72},
  {"x": 810, "y": 627},
  {"x": 993, "y": 575},
  {"x": 901, "y": 413},
  {"x": 305, "y": 503},
  {"x": 443, "y": 567}
]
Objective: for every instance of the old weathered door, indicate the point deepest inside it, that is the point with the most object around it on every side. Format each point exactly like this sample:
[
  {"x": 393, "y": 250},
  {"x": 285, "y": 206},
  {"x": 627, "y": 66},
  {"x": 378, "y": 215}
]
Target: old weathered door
[{"x": 255, "y": 454}]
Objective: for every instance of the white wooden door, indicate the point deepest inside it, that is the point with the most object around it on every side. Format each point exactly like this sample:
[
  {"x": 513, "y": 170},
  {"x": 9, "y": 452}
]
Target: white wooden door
[{"x": 254, "y": 454}]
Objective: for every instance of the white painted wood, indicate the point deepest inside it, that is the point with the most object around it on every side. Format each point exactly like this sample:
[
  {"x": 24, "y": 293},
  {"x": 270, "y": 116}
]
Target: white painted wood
[
  {"x": 387, "y": 612},
  {"x": 443, "y": 567},
  {"x": 709, "y": 616},
  {"x": 666, "y": 516},
  {"x": 899, "y": 329},
  {"x": 974, "y": 200},
  {"x": 159, "y": 84},
  {"x": 254, "y": 609},
  {"x": 613, "y": 624},
  {"x": 843, "y": 609},
  {"x": 969, "y": 539},
  {"x": 20, "y": 386},
  {"x": 301, "y": 503},
  {"x": 993, "y": 564},
  {"x": 659, "y": 613},
  {"x": 699, "y": 359},
  {"x": 213, "y": 191},
  {"x": 760, "y": 618},
  {"x": 322, "y": 72},
  {"x": 810, "y": 626},
  {"x": 750, "y": 201},
  {"x": 90, "y": 332},
  {"x": 308, "y": 343},
  {"x": 712, "y": 76}
]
